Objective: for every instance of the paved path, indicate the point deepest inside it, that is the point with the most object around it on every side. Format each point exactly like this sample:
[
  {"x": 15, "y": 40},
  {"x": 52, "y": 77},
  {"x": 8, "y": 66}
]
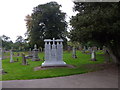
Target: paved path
[{"x": 107, "y": 78}]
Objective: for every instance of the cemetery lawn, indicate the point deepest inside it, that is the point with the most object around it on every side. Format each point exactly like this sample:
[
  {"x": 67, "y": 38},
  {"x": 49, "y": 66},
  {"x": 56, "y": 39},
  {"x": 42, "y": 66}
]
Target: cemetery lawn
[{"x": 83, "y": 64}]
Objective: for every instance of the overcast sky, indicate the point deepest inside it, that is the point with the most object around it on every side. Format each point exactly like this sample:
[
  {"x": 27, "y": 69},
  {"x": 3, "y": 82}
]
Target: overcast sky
[{"x": 13, "y": 12}]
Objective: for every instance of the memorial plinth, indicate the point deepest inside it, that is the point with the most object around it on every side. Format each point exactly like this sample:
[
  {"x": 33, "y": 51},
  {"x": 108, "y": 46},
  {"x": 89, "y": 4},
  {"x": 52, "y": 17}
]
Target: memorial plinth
[{"x": 53, "y": 53}]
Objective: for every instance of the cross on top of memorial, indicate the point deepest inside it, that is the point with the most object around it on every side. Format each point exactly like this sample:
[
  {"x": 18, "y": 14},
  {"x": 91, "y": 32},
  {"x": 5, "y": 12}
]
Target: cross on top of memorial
[{"x": 57, "y": 40}]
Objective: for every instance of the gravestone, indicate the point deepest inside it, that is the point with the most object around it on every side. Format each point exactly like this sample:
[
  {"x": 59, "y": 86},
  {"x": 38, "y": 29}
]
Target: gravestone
[
  {"x": 104, "y": 49},
  {"x": 41, "y": 49},
  {"x": 18, "y": 54},
  {"x": 68, "y": 48},
  {"x": 90, "y": 50},
  {"x": 11, "y": 56},
  {"x": 35, "y": 54},
  {"x": 98, "y": 49},
  {"x": 93, "y": 56},
  {"x": 107, "y": 54},
  {"x": 94, "y": 48},
  {"x": 0, "y": 60},
  {"x": 80, "y": 48},
  {"x": 74, "y": 53},
  {"x": 1, "y": 70},
  {"x": 84, "y": 49},
  {"x": 30, "y": 52},
  {"x": 24, "y": 62},
  {"x": 53, "y": 53},
  {"x": 1, "y": 54}
]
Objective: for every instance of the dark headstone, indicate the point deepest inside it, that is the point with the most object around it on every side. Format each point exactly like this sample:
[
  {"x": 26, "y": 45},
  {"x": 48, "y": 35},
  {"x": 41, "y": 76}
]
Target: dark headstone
[
  {"x": 74, "y": 53},
  {"x": 18, "y": 54},
  {"x": 24, "y": 62}
]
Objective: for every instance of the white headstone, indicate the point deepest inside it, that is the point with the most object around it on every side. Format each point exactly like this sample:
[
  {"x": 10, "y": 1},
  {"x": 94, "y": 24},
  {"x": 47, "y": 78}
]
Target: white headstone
[
  {"x": 53, "y": 53},
  {"x": 11, "y": 56},
  {"x": 1, "y": 57},
  {"x": 1, "y": 60},
  {"x": 1, "y": 70},
  {"x": 93, "y": 56}
]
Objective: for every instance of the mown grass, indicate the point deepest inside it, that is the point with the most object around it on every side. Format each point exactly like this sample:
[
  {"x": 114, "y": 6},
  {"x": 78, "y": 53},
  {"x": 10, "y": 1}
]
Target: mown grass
[{"x": 17, "y": 71}]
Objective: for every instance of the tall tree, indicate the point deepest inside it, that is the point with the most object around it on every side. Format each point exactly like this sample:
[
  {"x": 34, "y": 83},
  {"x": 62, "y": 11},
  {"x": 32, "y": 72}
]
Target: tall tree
[
  {"x": 46, "y": 22},
  {"x": 20, "y": 43},
  {"x": 6, "y": 42},
  {"x": 97, "y": 22}
]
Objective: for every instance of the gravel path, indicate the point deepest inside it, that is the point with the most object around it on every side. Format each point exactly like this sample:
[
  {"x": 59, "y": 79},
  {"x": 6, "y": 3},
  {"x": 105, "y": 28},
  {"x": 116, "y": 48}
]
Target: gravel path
[{"x": 107, "y": 78}]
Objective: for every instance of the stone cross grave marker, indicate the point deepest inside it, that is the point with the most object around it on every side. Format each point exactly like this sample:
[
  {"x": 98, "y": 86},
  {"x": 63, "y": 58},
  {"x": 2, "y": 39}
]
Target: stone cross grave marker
[{"x": 53, "y": 53}]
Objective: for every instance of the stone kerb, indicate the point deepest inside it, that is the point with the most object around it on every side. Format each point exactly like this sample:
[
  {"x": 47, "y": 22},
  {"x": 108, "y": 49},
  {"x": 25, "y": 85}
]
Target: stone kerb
[{"x": 53, "y": 53}]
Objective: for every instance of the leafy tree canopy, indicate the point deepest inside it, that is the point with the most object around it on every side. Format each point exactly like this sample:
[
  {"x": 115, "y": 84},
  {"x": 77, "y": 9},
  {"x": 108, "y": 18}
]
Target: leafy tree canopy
[
  {"x": 6, "y": 43},
  {"x": 46, "y": 22},
  {"x": 97, "y": 22}
]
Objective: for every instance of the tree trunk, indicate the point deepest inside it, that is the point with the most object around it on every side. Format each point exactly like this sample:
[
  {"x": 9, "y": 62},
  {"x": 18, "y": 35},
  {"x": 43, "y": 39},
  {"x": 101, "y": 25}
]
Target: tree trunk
[{"x": 115, "y": 55}]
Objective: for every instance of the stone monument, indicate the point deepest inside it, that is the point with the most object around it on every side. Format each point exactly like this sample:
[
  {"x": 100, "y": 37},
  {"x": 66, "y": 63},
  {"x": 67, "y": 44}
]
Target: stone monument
[
  {"x": 1, "y": 57},
  {"x": 1, "y": 70},
  {"x": 90, "y": 50},
  {"x": 69, "y": 49},
  {"x": 53, "y": 53},
  {"x": 84, "y": 49},
  {"x": 74, "y": 53},
  {"x": 93, "y": 56},
  {"x": 1, "y": 61},
  {"x": 11, "y": 56},
  {"x": 99, "y": 49},
  {"x": 30, "y": 52},
  {"x": 35, "y": 54},
  {"x": 95, "y": 48},
  {"x": 24, "y": 62},
  {"x": 80, "y": 48},
  {"x": 1, "y": 54}
]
